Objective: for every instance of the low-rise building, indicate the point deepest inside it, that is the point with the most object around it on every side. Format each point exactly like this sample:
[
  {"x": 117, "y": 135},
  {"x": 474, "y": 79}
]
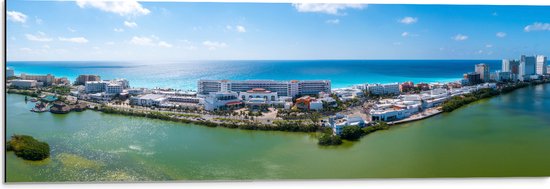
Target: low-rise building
[
  {"x": 46, "y": 80},
  {"x": 122, "y": 82},
  {"x": 61, "y": 81},
  {"x": 184, "y": 99},
  {"x": 345, "y": 94},
  {"x": 308, "y": 103},
  {"x": 221, "y": 100},
  {"x": 137, "y": 91},
  {"x": 24, "y": 84},
  {"x": 391, "y": 112},
  {"x": 338, "y": 122},
  {"x": 406, "y": 86},
  {"x": 148, "y": 100},
  {"x": 82, "y": 79},
  {"x": 95, "y": 86},
  {"x": 384, "y": 89},
  {"x": 113, "y": 88},
  {"x": 423, "y": 86},
  {"x": 256, "y": 93}
]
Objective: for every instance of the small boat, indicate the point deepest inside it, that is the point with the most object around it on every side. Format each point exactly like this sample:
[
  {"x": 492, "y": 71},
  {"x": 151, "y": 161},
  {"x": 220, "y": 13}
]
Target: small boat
[{"x": 34, "y": 99}]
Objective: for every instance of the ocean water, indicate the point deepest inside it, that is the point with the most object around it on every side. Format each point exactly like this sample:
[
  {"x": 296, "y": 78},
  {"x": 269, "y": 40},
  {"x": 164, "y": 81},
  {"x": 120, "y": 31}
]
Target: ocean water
[{"x": 184, "y": 75}]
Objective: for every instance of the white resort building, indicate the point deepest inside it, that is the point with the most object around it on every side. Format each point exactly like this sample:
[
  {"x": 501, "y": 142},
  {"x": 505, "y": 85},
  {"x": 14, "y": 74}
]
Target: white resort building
[
  {"x": 383, "y": 89},
  {"x": 338, "y": 122},
  {"x": 282, "y": 88},
  {"x": 25, "y": 84},
  {"x": 221, "y": 100}
]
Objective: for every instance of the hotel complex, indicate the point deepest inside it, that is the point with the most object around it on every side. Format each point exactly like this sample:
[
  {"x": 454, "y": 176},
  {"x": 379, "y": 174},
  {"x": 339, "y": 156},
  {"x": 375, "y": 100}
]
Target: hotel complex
[
  {"x": 392, "y": 102},
  {"x": 291, "y": 88}
]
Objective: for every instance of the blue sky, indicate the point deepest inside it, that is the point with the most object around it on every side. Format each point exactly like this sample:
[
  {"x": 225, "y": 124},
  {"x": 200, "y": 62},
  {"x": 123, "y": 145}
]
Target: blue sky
[{"x": 132, "y": 31}]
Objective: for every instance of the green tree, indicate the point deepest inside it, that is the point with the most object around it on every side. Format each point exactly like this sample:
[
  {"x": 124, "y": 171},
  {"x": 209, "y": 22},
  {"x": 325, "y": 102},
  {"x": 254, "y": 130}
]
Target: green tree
[
  {"x": 351, "y": 133},
  {"x": 329, "y": 139}
]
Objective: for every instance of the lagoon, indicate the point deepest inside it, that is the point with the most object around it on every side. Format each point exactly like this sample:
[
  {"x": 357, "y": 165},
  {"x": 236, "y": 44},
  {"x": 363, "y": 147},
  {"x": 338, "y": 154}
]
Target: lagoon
[{"x": 503, "y": 136}]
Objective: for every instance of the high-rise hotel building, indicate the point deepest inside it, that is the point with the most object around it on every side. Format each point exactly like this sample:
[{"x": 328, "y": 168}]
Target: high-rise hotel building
[
  {"x": 541, "y": 65},
  {"x": 483, "y": 70},
  {"x": 511, "y": 66},
  {"x": 527, "y": 66},
  {"x": 283, "y": 88}
]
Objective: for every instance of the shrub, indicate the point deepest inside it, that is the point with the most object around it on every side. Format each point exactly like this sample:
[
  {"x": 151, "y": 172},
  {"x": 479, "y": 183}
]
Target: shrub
[
  {"x": 328, "y": 139},
  {"x": 351, "y": 133},
  {"x": 28, "y": 148}
]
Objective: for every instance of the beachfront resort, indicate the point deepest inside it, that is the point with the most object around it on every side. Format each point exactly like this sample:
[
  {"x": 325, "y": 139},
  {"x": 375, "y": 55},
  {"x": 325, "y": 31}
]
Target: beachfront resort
[{"x": 270, "y": 103}]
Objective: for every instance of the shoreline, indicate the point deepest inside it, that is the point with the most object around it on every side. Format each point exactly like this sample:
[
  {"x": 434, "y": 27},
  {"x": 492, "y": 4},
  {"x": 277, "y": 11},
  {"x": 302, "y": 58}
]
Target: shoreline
[{"x": 278, "y": 125}]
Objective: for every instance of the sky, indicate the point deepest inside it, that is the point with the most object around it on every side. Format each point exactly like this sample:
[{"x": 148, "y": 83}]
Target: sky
[{"x": 85, "y": 30}]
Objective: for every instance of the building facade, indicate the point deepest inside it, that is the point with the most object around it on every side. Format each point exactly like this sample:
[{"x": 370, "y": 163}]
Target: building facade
[
  {"x": 503, "y": 76},
  {"x": 483, "y": 70},
  {"x": 282, "y": 88},
  {"x": 148, "y": 100},
  {"x": 95, "y": 86},
  {"x": 384, "y": 89},
  {"x": 46, "y": 80},
  {"x": 9, "y": 72},
  {"x": 82, "y": 79},
  {"x": 527, "y": 66},
  {"x": 113, "y": 88},
  {"x": 406, "y": 86},
  {"x": 541, "y": 65},
  {"x": 25, "y": 84},
  {"x": 511, "y": 66},
  {"x": 221, "y": 100},
  {"x": 268, "y": 96},
  {"x": 472, "y": 78}
]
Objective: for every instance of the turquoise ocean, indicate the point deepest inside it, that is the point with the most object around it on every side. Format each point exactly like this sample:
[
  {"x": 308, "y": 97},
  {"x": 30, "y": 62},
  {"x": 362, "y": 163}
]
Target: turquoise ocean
[{"x": 184, "y": 75}]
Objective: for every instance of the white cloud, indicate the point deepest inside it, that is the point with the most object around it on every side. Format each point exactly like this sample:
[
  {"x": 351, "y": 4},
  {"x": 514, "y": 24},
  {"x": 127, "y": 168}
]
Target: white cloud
[
  {"x": 237, "y": 28},
  {"x": 459, "y": 37},
  {"x": 408, "y": 34},
  {"x": 327, "y": 8},
  {"x": 501, "y": 34},
  {"x": 164, "y": 44},
  {"x": 130, "y": 24},
  {"x": 332, "y": 21},
  {"x": 41, "y": 37},
  {"x": 118, "y": 30},
  {"x": 122, "y": 8},
  {"x": 141, "y": 41},
  {"x": 240, "y": 29},
  {"x": 71, "y": 29},
  {"x": 409, "y": 20},
  {"x": 213, "y": 45},
  {"x": 488, "y": 46},
  {"x": 74, "y": 39},
  {"x": 110, "y": 43},
  {"x": 149, "y": 41},
  {"x": 15, "y": 16},
  {"x": 537, "y": 26}
]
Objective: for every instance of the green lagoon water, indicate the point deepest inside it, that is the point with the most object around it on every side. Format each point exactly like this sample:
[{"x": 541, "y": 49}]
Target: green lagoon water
[{"x": 507, "y": 135}]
